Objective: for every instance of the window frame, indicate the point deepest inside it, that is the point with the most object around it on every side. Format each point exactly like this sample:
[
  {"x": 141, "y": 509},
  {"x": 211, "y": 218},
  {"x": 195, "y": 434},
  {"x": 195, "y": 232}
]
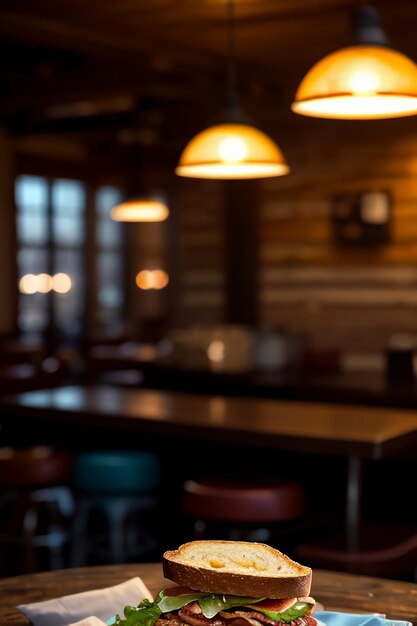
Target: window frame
[{"x": 89, "y": 250}]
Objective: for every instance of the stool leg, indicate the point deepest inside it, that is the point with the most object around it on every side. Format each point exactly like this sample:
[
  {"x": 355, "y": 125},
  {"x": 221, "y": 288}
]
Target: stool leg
[
  {"x": 65, "y": 504},
  {"x": 56, "y": 557},
  {"x": 79, "y": 538},
  {"x": 57, "y": 505},
  {"x": 116, "y": 518},
  {"x": 141, "y": 536},
  {"x": 131, "y": 535},
  {"x": 56, "y": 536},
  {"x": 30, "y": 522},
  {"x": 64, "y": 500}
]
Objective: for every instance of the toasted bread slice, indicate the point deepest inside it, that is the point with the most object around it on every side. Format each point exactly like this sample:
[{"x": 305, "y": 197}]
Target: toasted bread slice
[{"x": 238, "y": 568}]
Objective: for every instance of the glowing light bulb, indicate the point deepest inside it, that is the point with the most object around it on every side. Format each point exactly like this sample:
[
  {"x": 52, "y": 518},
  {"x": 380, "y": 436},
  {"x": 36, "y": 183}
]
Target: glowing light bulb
[
  {"x": 232, "y": 150},
  {"x": 140, "y": 210},
  {"x": 44, "y": 283},
  {"x": 216, "y": 351},
  {"x": 61, "y": 283},
  {"x": 364, "y": 81},
  {"x": 28, "y": 284},
  {"x": 160, "y": 279},
  {"x": 152, "y": 279},
  {"x": 144, "y": 279}
]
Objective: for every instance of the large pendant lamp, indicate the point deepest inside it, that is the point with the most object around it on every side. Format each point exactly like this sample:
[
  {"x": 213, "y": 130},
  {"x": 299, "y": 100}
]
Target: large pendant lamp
[
  {"x": 368, "y": 80},
  {"x": 233, "y": 148},
  {"x": 140, "y": 210}
]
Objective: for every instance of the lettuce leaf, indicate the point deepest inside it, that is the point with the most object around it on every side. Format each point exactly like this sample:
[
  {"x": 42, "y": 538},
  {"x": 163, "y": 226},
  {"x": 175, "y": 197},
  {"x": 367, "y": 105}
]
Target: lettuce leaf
[
  {"x": 210, "y": 603},
  {"x": 145, "y": 614},
  {"x": 213, "y": 603},
  {"x": 173, "y": 603}
]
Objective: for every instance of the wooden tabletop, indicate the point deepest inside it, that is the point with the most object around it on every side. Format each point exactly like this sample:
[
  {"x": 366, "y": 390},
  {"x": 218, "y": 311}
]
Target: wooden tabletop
[
  {"x": 319, "y": 428},
  {"x": 336, "y": 591}
]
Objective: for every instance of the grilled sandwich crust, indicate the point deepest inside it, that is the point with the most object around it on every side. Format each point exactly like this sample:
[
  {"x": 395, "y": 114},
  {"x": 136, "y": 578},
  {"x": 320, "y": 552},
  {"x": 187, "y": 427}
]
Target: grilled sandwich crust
[{"x": 238, "y": 568}]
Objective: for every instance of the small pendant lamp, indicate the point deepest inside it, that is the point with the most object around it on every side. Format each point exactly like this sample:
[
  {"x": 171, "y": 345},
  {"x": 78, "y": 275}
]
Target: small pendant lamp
[
  {"x": 368, "y": 80},
  {"x": 140, "y": 210},
  {"x": 233, "y": 148}
]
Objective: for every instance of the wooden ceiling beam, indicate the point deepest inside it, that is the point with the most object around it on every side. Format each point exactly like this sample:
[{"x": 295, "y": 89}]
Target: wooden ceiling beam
[
  {"x": 89, "y": 80},
  {"x": 49, "y": 97},
  {"x": 31, "y": 27},
  {"x": 147, "y": 48}
]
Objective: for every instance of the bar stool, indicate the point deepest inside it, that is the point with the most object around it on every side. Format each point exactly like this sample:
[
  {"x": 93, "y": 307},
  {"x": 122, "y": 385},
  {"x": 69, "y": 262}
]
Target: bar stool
[
  {"x": 35, "y": 505},
  {"x": 119, "y": 488},
  {"x": 243, "y": 509}
]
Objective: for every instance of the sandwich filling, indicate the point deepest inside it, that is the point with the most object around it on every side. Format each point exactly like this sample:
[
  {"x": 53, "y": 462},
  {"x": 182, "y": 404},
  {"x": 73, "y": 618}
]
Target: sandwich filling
[{"x": 180, "y": 606}]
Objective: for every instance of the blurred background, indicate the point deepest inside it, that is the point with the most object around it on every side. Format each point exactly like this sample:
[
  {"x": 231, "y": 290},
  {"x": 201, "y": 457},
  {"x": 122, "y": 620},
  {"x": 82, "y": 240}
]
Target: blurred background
[
  {"x": 98, "y": 102},
  {"x": 297, "y": 287}
]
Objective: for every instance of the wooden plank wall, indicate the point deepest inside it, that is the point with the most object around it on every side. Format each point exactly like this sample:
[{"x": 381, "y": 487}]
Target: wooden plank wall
[
  {"x": 338, "y": 296},
  {"x": 201, "y": 276}
]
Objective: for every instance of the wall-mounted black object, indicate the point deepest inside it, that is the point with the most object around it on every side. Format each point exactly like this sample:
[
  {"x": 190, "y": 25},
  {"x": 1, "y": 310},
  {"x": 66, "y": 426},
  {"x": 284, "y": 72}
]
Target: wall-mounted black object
[
  {"x": 401, "y": 359},
  {"x": 362, "y": 218}
]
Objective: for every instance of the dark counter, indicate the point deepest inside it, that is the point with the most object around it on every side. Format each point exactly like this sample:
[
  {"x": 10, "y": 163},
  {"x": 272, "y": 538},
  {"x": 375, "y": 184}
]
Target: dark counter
[{"x": 362, "y": 387}]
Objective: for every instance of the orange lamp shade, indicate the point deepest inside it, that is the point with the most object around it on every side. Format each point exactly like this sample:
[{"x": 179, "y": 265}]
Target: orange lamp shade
[
  {"x": 230, "y": 151},
  {"x": 141, "y": 210},
  {"x": 359, "y": 82}
]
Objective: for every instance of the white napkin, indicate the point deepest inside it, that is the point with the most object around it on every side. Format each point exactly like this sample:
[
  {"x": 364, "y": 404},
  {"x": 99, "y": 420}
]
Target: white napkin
[
  {"x": 89, "y": 621},
  {"x": 90, "y": 608}
]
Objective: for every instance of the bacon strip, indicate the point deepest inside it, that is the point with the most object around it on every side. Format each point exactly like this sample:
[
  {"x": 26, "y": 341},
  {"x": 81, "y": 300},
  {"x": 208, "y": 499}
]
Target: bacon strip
[{"x": 192, "y": 617}]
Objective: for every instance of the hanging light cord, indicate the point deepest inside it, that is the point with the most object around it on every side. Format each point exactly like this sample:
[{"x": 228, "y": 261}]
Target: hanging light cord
[
  {"x": 231, "y": 52},
  {"x": 367, "y": 26}
]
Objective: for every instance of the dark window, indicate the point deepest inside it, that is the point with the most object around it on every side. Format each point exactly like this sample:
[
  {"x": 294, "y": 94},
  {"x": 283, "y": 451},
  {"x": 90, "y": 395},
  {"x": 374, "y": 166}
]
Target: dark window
[{"x": 52, "y": 239}]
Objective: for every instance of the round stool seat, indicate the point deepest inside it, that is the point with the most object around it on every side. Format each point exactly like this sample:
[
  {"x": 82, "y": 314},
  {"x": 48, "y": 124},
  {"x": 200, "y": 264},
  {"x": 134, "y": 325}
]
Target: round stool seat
[
  {"x": 243, "y": 501},
  {"x": 116, "y": 472},
  {"x": 31, "y": 467}
]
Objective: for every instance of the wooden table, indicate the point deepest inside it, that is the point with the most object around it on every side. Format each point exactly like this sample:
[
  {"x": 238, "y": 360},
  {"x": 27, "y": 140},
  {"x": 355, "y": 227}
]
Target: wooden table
[
  {"x": 341, "y": 592},
  {"x": 354, "y": 432}
]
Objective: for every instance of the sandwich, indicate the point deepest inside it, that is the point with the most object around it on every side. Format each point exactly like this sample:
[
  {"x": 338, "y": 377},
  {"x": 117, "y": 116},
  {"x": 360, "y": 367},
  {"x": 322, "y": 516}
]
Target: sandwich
[{"x": 228, "y": 583}]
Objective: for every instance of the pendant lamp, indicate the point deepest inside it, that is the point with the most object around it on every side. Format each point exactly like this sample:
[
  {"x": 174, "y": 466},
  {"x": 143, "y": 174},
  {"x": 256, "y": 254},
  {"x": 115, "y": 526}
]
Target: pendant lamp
[
  {"x": 140, "y": 210},
  {"x": 233, "y": 148},
  {"x": 368, "y": 80}
]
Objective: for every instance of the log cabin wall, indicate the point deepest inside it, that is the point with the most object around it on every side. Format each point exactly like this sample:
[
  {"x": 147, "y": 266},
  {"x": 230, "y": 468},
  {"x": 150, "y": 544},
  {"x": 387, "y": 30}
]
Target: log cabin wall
[
  {"x": 336, "y": 295},
  {"x": 200, "y": 292}
]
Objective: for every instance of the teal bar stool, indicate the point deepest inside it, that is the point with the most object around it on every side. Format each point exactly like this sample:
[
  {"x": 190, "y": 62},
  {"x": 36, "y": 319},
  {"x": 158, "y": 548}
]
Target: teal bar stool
[{"x": 116, "y": 503}]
